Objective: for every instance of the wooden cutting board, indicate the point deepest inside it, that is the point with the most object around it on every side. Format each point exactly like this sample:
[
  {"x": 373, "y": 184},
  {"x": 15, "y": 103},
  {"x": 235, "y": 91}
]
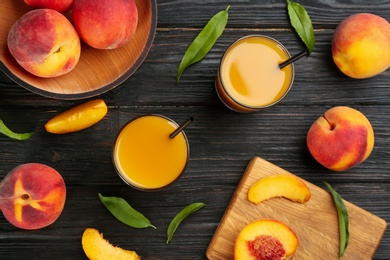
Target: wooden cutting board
[{"x": 315, "y": 222}]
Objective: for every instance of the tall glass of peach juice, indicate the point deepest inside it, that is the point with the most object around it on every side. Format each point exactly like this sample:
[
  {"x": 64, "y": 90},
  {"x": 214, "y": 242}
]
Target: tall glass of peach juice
[
  {"x": 146, "y": 157},
  {"x": 249, "y": 77}
]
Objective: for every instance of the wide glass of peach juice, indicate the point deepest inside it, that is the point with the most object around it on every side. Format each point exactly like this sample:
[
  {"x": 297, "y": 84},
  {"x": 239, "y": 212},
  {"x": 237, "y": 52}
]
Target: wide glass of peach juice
[
  {"x": 145, "y": 156},
  {"x": 249, "y": 77}
]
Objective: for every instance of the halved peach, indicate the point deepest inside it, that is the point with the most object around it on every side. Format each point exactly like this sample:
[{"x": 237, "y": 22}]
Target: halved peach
[
  {"x": 32, "y": 196},
  {"x": 98, "y": 248},
  {"x": 279, "y": 185},
  {"x": 266, "y": 239}
]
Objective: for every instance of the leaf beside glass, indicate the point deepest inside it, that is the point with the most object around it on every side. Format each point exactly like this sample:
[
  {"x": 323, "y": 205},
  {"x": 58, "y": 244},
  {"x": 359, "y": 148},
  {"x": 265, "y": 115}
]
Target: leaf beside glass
[{"x": 205, "y": 40}]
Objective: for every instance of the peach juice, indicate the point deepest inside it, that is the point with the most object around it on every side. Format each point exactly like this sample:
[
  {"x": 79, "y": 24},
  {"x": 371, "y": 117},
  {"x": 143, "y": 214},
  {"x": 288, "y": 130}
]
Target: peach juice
[
  {"x": 146, "y": 157},
  {"x": 249, "y": 77}
]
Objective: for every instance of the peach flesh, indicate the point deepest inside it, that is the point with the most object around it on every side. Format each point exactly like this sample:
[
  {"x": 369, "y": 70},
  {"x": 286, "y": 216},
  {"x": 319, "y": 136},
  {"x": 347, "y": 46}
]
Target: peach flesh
[
  {"x": 96, "y": 247},
  {"x": 32, "y": 196},
  {"x": 265, "y": 239},
  {"x": 279, "y": 185}
]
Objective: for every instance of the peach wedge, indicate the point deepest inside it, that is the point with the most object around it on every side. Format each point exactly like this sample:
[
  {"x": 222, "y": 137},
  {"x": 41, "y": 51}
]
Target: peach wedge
[
  {"x": 97, "y": 248},
  {"x": 78, "y": 118},
  {"x": 265, "y": 239},
  {"x": 279, "y": 185}
]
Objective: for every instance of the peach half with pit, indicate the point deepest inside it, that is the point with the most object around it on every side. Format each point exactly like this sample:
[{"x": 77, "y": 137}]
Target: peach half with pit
[
  {"x": 32, "y": 196},
  {"x": 341, "y": 139},
  {"x": 279, "y": 185},
  {"x": 45, "y": 43},
  {"x": 265, "y": 239},
  {"x": 97, "y": 248},
  {"x": 105, "y": 24}
]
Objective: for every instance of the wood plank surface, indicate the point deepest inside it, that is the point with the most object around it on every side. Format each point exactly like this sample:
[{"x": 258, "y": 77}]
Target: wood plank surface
[
  {"x": 315, "y": 222},
  {"x": 222, "y": 142}
]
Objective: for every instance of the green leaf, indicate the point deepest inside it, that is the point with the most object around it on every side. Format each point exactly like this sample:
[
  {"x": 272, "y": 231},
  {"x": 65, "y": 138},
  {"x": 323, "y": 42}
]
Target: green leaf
[
  {"x": 6, "y": 131},
  {"x": 205, "y": 40},
  {"x": 343, "y": 219},
  {"x": 302, "y": 24},
  {"x": 120, "y": 209},
  {"x": 184, "y": 213}
]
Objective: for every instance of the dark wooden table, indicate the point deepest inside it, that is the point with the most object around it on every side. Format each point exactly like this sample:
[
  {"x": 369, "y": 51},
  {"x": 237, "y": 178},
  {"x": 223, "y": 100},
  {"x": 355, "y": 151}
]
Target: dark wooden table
[{"x": 222, "y": 142}]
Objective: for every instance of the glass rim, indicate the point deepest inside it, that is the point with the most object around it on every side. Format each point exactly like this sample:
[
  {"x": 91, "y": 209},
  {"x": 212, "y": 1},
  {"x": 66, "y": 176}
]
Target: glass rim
[
  {"x": 114, "y": 161},
  {"x": 227, "y": 92}
]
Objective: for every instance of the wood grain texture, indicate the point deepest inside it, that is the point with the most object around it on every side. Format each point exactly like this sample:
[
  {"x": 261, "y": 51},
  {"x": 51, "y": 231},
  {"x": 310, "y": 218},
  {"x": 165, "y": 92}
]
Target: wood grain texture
[
  {"x": 91, "y": 76},
  {"x": 315, "y": 222},
  {"x": 221, "y": 142}
]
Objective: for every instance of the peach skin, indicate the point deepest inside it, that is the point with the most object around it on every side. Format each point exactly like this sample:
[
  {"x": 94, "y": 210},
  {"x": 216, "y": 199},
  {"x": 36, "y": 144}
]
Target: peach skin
[
  {"x": 53, "y": 55},
  {"x": 32, "y": 196},
  {"x": 341, "y": 139},
  {"x": 361, "y": 45},
  {"x": 265, "y": 239},
  {"x": 105, "y": 24},
  {"x": 61, "y": 6},
  {"x": 77, "y": 118}
]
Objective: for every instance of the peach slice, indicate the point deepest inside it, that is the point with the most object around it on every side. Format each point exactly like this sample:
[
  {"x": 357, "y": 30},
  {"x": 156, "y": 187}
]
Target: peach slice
[
  {"x": 32, "y": 196},
  {"x": 78, "y": 117},
  {"x": 97, "y": 248},
  {"x": 279, "y": 185},
  {"x": 266, "y": 239}
]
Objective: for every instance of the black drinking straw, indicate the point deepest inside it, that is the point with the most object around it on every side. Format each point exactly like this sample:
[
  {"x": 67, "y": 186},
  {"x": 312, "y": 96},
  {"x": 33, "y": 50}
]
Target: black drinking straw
[
  {"x": 181, "y": 127},
  {"x": 292, "y": 59}
]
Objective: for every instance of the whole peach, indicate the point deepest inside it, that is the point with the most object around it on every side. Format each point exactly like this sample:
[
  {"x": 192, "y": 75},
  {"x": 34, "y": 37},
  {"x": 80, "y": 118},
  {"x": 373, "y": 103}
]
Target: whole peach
[
  {"x": 361, "y": 45},
  {"x": 59, "y": 5},
  {"x": 105, "y": 24},
  {"x": 341, "y": 139},
  {"x": 44, "y": 43},
  {"x": 32, "y": 196}
]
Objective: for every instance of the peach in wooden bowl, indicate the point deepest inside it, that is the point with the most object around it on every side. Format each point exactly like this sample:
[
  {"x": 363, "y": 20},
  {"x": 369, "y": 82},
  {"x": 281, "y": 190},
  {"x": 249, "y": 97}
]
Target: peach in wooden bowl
[{"x": 96, "y": 72}]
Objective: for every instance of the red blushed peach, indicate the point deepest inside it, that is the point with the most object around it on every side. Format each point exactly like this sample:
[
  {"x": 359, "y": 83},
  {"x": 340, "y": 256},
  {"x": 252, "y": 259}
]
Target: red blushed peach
[
  {"x": 44, "y": 43},
  {"x": 32, "y": 196},
  {"x": 266, "y": 239},
  {"x": 105, "y": 24},
  {"x": 59, "y": 5},
  {"x": 361, "y": 45},
  {"x": 341, "y": 139}
]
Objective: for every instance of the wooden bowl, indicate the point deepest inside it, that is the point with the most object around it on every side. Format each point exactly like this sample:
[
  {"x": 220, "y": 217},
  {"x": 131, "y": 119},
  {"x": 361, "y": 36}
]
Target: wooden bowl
[{"x": 97, "y": 71}]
